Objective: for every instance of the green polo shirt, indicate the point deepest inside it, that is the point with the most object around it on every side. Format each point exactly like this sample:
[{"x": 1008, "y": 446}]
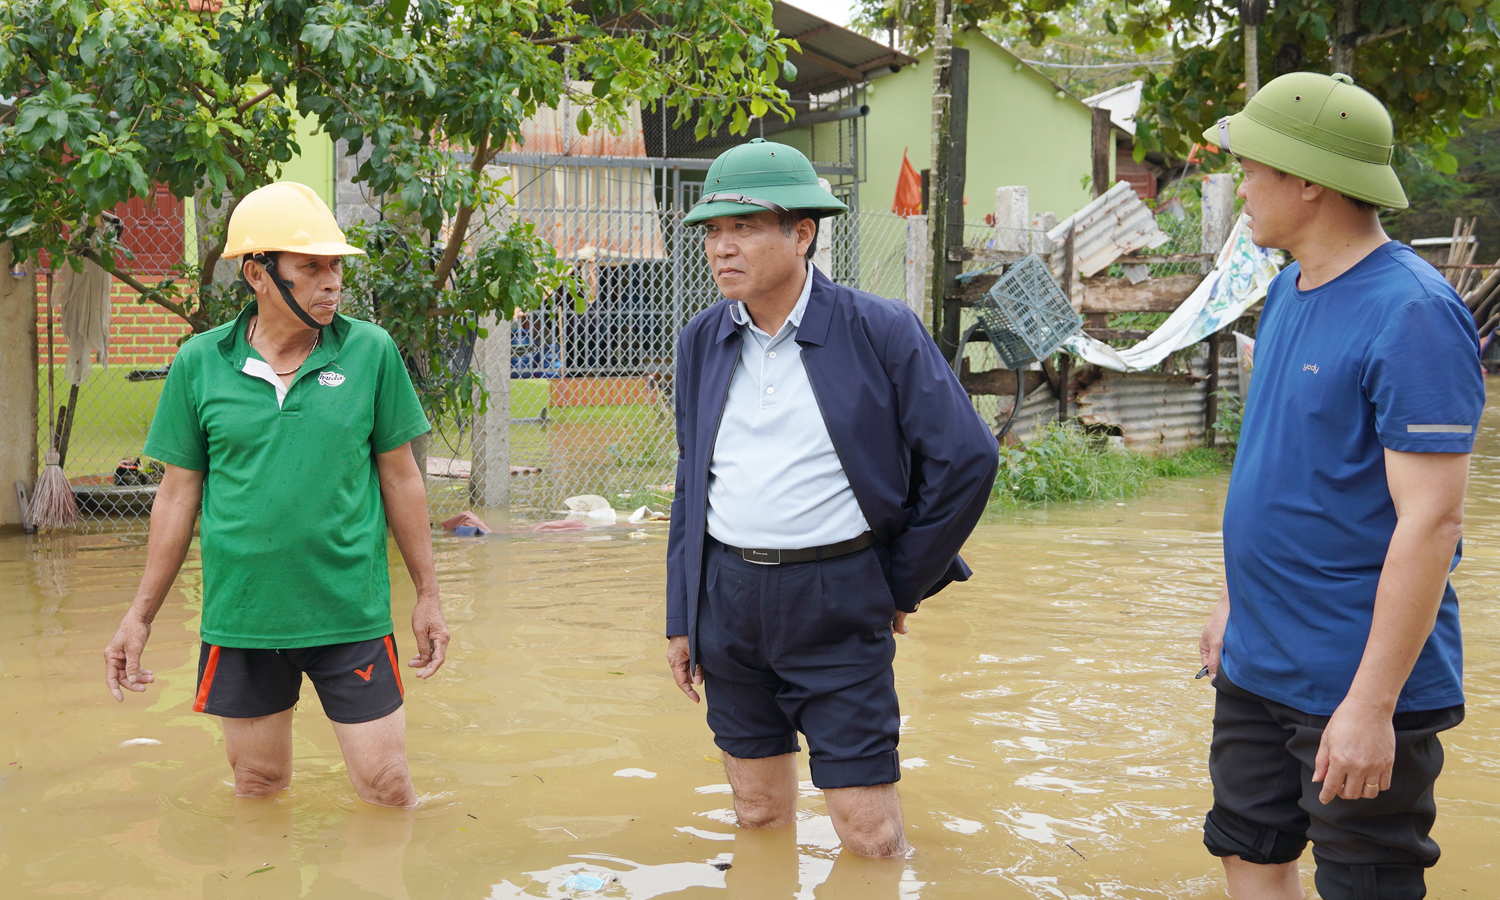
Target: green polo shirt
[{"x": 293, "y": 530}]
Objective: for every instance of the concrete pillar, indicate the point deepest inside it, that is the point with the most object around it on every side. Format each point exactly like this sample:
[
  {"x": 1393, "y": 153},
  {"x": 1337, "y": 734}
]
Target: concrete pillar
[
  {"x": 1218, "y": 213},
  {"x": 918, "y": 256},
  {"x": 18, "y": 387},
  {"x": 209, "y": 222},
  {"x": 1012, "y": 219},
  {"x": 1041, "y": 223},
  {"x": 489, "y": 438},
  {"x": 352, "y": 202}
]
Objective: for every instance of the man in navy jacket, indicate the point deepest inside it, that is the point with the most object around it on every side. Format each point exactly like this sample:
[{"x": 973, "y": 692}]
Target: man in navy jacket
[{"x": 830, "y": 469}]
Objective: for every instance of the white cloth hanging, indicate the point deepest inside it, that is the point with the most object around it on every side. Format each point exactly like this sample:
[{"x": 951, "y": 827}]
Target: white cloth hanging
[{"x": 85, "y": 318}]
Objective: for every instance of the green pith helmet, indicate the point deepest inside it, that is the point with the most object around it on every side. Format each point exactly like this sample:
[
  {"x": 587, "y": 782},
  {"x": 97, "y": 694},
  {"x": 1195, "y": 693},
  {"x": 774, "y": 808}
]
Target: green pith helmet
[
  {"x": 1320, "y": 128},
  {"x": 759, "y": 176}
]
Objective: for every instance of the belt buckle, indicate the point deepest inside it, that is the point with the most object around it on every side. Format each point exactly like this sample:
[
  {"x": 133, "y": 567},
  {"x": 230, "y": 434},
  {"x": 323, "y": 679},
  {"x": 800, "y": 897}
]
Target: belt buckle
[{"x": 762, "y": 557}]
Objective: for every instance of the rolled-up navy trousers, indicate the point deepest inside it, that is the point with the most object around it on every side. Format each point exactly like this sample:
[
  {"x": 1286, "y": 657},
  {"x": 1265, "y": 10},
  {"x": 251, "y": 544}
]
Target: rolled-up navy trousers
[{"x": 802, "y": 647}]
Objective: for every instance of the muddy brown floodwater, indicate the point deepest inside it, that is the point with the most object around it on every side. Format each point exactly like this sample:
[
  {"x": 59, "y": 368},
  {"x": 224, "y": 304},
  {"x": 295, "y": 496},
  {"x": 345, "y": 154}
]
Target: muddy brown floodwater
[{"x": 1053, "y": 746}]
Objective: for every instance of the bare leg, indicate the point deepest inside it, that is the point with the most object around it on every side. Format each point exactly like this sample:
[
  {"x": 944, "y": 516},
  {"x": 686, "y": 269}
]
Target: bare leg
[
  {"x": 1252, "y": 881},
  {"x": 858, "y": 878},
  {"x": 374, "y": 854},
  {"x": 868, "y": 820},
  {"x": 260, "y": 752},
  {"x": 375, "y": 755},
  {"x": 765, "y": 864},
  {"x": 260, "y": 842},
  {"x": 765, "y": 790}
]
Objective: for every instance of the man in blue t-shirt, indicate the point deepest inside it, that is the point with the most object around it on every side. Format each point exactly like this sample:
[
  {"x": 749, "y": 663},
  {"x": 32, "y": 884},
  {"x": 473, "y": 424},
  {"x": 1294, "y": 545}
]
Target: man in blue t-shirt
[{"x": 1335, "y": 644}]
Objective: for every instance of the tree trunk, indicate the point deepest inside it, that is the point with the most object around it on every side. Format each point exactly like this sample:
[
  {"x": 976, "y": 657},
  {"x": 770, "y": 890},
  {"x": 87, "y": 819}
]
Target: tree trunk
[{"x": 1345, "y": 36}]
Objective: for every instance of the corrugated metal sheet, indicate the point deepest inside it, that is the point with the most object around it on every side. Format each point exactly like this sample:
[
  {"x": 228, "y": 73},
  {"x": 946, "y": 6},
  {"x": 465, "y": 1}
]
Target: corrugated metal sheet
[
  {"x": 1155, "y": 413},
  {"x": 1113, "y": 224},
  {"x": 835, "y": 43},
  {"x": 1038, "y": 409},
  {"x": 554, "y": 132}
]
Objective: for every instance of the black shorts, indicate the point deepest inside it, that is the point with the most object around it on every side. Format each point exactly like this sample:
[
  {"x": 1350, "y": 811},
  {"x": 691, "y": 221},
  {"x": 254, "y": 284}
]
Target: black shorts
[
  {"x": 1266, "y": 805},
  {"x": 802, "y": 647},
  {"x": 357, "y": 682}
]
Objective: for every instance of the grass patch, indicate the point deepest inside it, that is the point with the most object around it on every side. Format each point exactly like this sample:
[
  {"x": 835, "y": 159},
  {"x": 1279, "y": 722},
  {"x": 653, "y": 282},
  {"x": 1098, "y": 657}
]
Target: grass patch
[{"x": 1066, "y": 463}]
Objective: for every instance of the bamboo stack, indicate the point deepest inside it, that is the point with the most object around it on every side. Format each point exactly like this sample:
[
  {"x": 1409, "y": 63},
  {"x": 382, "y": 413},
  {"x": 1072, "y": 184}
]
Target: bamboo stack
[
  {"x": 1483, "y": 300},
  {"x": 1479, "y": 286},
  {"x": 1461, "y": 253}
]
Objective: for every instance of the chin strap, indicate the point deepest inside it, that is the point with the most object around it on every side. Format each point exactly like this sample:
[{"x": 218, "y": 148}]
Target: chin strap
[
  {"x": 1224, "y": 134},
  {"x": 269, "y": 264}
]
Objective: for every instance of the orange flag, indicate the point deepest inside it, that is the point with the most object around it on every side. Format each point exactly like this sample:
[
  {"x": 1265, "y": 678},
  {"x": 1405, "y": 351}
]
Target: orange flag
[{"x": 908, "y": 200}]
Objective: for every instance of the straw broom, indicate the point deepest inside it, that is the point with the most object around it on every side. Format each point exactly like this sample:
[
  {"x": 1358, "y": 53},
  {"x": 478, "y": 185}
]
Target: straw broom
[{"x": 52, "y": 503}]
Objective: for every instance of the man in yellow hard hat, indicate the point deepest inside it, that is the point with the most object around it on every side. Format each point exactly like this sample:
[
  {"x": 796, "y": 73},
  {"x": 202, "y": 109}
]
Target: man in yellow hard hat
[
  {"x": 1335, "y": 643},
  {"x": 291, "y": 426}
]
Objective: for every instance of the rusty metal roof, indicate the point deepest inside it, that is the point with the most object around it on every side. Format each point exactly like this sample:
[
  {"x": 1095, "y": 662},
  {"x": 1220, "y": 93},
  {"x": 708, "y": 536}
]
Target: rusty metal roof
[
  {"x": 1113, "y": 224},
  {"x": 1155, "y": 413},
  {"x": 832, "y": 56}
]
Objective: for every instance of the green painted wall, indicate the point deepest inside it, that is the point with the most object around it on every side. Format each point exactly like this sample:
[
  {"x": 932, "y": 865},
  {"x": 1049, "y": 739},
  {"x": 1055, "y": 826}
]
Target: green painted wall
[
  {"x": 1020, "y": 133},
  {"x": 313, "y": 166}
]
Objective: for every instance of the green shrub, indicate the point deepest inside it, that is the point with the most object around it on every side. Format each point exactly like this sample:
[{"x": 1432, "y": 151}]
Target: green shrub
[
  {"x": 1064, "y": 462},
  {"x": 1231, "y": 413}
]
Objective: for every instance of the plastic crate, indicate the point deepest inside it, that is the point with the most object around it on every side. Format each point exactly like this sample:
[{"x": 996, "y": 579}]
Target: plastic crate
[{"x": 1026, "y": 315}]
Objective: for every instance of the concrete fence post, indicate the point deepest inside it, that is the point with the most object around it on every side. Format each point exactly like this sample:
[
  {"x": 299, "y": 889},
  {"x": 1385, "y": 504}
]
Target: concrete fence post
[
  {"x": 489, "y": 481},
  {"x": 918, "y": 256},
  {"x": 823, "y": 253},
  {"x": 18, "y": 386},
  {"x": 1218, "y": 213},
  {"x": 1012, "y": 219}
]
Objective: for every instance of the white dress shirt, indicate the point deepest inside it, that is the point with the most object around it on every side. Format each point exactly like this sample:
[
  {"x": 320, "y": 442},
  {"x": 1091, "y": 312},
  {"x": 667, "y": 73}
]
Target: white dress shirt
[{"x": 775, "y": 481}]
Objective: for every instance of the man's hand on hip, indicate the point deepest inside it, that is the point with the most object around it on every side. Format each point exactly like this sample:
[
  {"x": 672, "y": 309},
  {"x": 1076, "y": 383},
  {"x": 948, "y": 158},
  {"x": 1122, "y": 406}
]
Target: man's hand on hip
[
  {"x": 122, "y": 658},
  {"x": 898, "y": 624},
  {"x": 431, "y": 631},
  {"x": 1357, "y": 752},
  {"x": 677, "y": 658}
]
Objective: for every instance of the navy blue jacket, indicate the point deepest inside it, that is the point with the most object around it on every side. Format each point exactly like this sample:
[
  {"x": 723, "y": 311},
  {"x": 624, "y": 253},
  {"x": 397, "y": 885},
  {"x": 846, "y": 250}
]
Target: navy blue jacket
[{"x": 919, "y": 458}]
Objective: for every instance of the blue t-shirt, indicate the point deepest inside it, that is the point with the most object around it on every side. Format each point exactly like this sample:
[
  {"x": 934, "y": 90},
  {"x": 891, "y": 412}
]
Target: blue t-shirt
[{"x": 1383, "y": 357}]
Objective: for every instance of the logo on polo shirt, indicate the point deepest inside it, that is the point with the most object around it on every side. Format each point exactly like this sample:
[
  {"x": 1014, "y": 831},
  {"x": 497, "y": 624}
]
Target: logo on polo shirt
[{"x": 330, "y": 379}]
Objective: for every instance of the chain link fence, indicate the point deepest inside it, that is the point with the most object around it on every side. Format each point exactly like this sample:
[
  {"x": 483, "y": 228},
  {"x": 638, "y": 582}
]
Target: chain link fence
[
  {"x": 99, "y": 427},
  {"x": 589, "y": 390}
]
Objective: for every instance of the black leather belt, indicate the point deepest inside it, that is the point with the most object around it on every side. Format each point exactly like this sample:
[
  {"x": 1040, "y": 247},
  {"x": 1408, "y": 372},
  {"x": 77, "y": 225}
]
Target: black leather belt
[{"x": 806, "y": 554}]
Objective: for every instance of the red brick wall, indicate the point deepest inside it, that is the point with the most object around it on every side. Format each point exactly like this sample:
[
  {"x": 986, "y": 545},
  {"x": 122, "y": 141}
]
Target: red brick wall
[{"x": 141, "y": 335}]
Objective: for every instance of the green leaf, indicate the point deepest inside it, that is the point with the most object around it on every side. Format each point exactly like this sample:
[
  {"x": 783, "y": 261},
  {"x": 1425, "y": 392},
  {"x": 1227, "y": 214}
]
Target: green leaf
[
  {"x": 1445, "y": 162},
  {"x": 585, "y": 121}
]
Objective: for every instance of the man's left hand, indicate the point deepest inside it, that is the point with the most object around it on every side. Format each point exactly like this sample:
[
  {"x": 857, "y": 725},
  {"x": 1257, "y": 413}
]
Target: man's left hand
[
  {"x": 431, "y": 631},
  {"x": 898, "y": 624},
  {"x": 1357, "y": 752}
]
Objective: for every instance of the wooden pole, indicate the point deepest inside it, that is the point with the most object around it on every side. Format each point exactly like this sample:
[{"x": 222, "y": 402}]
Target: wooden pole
[
  {"x": 1101, "y": 149},
  {"x": 1211, "y": 406},
  {"x": 958, "y": 152},
  {"x": 937, "y": 180},
  {"x": 1065, "y": 362}
]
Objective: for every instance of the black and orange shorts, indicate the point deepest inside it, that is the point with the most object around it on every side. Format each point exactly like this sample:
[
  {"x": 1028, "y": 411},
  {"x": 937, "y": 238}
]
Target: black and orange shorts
[{"x": 357, "y": 682}]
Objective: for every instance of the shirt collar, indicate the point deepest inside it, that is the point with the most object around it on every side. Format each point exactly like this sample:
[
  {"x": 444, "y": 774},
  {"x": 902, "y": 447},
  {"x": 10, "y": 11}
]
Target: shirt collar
[{"x": 741, "y": 313}]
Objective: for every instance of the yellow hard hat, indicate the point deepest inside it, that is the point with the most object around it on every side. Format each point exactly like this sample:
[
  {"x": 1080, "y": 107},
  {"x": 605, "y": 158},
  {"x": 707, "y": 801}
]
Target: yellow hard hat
[{"x": 285, "y": 216}]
